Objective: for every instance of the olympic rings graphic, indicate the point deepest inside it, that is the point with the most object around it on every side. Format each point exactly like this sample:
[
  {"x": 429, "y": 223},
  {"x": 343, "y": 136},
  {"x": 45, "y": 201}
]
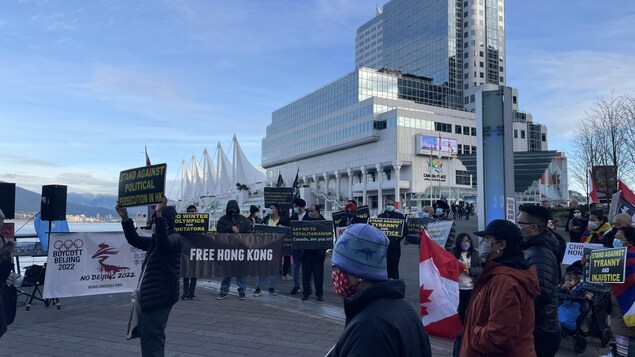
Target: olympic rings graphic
[{"x": 68, "y": 244}]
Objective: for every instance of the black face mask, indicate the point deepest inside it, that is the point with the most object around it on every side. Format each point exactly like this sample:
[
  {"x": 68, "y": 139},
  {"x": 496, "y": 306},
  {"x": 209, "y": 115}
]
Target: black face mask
[{"x": 232, "y": 212}]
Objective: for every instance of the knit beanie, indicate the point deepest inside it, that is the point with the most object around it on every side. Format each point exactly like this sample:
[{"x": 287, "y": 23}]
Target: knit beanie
[{"x": 361, "y": 251}]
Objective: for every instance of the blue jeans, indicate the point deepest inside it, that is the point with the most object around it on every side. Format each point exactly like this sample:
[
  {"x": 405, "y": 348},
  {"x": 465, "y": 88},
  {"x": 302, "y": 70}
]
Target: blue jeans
[
  {"x": 240, "y": 281},
  {"x": 297, "y": 262},
  {"x": 272, "y": 281}
]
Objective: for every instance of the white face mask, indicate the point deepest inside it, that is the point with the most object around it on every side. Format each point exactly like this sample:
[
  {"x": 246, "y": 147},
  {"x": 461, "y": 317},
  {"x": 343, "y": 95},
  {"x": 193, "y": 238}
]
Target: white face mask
[
  {"x": 296, "y": 210},
  {"x": 425, "y": 215},
  {"x": 577, "y": 214},
  {"x": 484, "y": 248},
  {"x": 390, "y": 208},
  {"x": 593, "y": 225}
]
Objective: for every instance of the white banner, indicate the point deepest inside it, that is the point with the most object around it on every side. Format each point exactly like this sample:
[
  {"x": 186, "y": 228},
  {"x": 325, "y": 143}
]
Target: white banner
[
  {"x": 91, "y": 263},
  {"x": 575, "y": 251}
]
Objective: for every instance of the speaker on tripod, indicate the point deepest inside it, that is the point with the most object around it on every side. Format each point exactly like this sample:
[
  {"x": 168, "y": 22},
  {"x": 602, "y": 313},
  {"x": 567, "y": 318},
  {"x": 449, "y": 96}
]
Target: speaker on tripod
[{"x": 53, "y": 205}]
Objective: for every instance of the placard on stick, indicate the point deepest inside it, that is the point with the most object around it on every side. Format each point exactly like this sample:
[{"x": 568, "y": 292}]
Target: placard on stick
[
  {"x": 392, "y": 228},
  {"x": 312, "y": 234},
  {"x": 287, "y": 242},
  {"x": 280, "y": 195},
  {"x": 142, "y": 186},
  {"x": 607, "y": 265},
  {"x": 191, "y": 223}
]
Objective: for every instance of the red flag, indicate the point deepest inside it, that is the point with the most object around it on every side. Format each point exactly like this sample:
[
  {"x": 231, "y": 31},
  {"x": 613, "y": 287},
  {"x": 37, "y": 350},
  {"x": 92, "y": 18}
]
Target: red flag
[
  {"x": 593, "y": 193},
  {"x": 627, "y": 193},
  {"x": 438, "y": 288},
  {"x": 147, "y": 158}
]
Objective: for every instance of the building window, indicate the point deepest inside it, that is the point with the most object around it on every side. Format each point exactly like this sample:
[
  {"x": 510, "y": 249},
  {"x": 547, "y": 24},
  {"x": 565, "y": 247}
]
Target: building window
[
  {"x": 544, "y": 137},
  {"x": 515, "y": 133},
  {"x": 481, "y": 65},
  {"x": 474, "y": 132},
  {"x": 457, "y": 128},
  {"x": 466, "y": 130},
  {"x": 462, "y": 177},
  {"x": 522, "y": 134},
  {"x": 472, "y": 98},
  {"x": 473, "y": 149},
  {"x": 515, "y": 100},
  {"x": 481, "y": 75},
  {"x": 459, "y": 149}
]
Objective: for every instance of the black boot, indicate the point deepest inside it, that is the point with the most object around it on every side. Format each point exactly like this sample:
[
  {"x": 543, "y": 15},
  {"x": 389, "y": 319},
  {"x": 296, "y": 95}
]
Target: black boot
[
  {"x": 186, "y": 285},
  {"x": 190, "y": 295}
]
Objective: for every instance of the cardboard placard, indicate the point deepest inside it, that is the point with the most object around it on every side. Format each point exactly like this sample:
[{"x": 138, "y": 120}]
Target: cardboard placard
[
  {"x": 283, "y": 196},
  {"x": 312, "y": 234},
  {"x": 607, "y": 265},
  {"x": 191, "y": 223},
  {"x": 439, "y": 231},
  {"x": 575, "y": 251},
  {"x": 413, "y": 229},
  {"x": 361, "y": 216},
  {"x": 142, "y": 186},
  {"x": 391, "y": 227},
  {"x": 287, "y": 241}
]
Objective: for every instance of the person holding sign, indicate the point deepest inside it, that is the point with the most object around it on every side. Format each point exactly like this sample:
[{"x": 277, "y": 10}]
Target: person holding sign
[
  {"x": 274, "y": 219},
  {"x": 189, "y": 284},
  {"x": 379, "y": 322},
  {"x": 393, "y": 254},
  {"x": 442, "y": 213},
  {"x": 232, "y": 222},
  {"x": 623, "y": 296},
  {"x": 299, "y": 214},
  {"x": 158, "y": 287},
  {"x": 313, "y": 263}
]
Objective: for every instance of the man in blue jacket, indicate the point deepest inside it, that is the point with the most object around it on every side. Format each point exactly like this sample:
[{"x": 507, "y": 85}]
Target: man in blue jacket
[{"x": 159, "y": 285}]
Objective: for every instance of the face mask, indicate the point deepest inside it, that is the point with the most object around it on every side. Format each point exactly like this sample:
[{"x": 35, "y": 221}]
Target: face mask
[
  {"x": 343, "y": 288},
  {"x": 465, "y": 245},
  {"x": 577, "y": 214},
  {"x": 232, "y": 212},
  {"x": 425, "y": 215},
  {"x": 617, "y": 243},
  {"x": 390, "y": 208},
  {"x": 314, "y": 215},
  {"x": 296, "y": 210},
  {"x": 593, "y": 224},
  {"x": 438, "y": 211},
  {"x": 484, "y": 248}
]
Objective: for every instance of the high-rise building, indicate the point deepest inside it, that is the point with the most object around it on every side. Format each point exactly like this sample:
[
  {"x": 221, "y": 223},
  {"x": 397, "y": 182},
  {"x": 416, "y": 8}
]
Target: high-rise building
[{"x": 459, "y": 45}]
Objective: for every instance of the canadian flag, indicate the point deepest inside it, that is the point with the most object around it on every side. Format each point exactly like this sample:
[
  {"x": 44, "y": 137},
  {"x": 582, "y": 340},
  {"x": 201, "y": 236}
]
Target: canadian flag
[
  {"x": 593, "y": 193},
  {"x": 438, "y": 288}
]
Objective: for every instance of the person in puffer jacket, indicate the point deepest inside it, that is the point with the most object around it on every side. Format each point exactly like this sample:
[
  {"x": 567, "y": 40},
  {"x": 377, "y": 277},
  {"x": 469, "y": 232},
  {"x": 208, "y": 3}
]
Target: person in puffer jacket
[
  {"x": 159, "y": 286},
  {"x": 542, "y": 250}
]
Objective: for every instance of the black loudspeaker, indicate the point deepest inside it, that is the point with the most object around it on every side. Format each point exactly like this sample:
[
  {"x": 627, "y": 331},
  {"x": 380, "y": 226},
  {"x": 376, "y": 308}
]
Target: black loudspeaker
[
  {"x": 53, "y": 203},
  {"x": 7, "y": 199}
]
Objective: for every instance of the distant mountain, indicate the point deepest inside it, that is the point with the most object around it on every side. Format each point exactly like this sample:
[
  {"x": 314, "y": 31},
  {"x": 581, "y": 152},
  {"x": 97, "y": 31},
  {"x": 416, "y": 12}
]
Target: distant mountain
[
  {"x": 28, "y": 201},
  {"x": 89, "y": 199}
]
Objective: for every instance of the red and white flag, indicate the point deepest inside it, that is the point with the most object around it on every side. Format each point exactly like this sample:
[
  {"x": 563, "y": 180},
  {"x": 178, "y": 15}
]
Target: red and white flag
[
  {"x": 438, "y": 288},
  {"x": 148, "y": 163},
  {"x": 593, "y": 193}
]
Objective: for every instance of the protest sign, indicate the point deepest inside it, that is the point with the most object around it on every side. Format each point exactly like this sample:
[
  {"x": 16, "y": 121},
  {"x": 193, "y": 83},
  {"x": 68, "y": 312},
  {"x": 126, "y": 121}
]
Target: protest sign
[
  {"x": 227, "y": 254},
  {"x": 413, "y": 229},
  {"x": 439, "y": 231},
  {"x": 575, "y": 251},
  {"x": 86, "y": 263},
  {"x": 287, "y": 241},
  {"x": 312, "y": 234},
  {"x": 607, "y": 265},
  {"x": 339, "y": 231},
  {"x": 142, "y": 186},
  {"x": 392, "y": 228},
  {"x": 280, "y": 195},
  {"x": 361, "y": 216},
  {"x": 191, "y": 223}
]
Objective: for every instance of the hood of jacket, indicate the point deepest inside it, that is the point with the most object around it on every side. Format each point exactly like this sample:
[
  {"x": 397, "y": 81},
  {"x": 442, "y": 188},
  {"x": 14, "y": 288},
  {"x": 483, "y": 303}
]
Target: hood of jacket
[
  {"x": 545, "y": 239},
  {"x": 391, "y": 289},
  {"x": 515, "y": 267},
  {"x": 232, "y": 204}
]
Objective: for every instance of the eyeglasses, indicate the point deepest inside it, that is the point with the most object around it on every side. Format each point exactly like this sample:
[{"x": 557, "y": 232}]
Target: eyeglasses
[{"x": 525, "y": 223}]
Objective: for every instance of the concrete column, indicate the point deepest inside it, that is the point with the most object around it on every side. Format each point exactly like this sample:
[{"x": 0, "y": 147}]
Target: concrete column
[
  {"x": 363, "y": 169},
  {"x": 337, "y": 185},
  {"x": 397, "y": 167},
  {"x": 349, "y": 172},
  {"x": 380, "y": 200}
]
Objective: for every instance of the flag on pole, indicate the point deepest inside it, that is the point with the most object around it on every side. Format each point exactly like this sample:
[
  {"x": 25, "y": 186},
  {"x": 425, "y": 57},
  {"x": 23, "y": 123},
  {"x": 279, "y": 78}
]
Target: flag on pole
[
  {"x": 42, "y": 229},
  {"x": 593, "y": 193},
  {"x": 148, "y": 163},
  {"x": 296, "y": 181},
  {"x": 280, "y": 182},
  {"x": 438, "y": 288}
]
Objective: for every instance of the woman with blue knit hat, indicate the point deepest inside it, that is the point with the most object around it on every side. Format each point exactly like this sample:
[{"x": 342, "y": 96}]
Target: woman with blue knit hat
[{"x": 379, "y": 322}]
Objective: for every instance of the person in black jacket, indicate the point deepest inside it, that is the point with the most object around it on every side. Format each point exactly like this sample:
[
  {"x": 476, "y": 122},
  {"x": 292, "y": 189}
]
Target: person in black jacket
[
  {"x": 233, "y": 222},
  {"x": 394, "y": 248},
  {"x": 464, "y": 251},
  {"x": 189, "y": 283},
  {"x": 442, "y": 213},
  {"x": 313, "y": 263},
  {"x": 379, "y": 322},
  {"x": 542, "y": 250},
  {"x": 159, "y": 286},
  {"x": 299, "y": 214},
  {"x": 275, "y": 219}
]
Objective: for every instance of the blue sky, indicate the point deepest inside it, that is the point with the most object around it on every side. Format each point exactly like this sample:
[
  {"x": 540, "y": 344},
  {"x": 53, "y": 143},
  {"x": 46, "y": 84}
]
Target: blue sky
[{"x": 86, "y": 84}]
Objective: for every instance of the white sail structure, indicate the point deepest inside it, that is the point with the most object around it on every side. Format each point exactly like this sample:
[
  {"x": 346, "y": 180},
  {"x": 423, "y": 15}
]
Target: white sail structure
[
  {"x": 224, "y": 183},
  {"x": 210, "y": 174},
  {"x": 243, "y": 171},
  {"x": 186, "y": 181},
  {"x": 197, "y": 179}
]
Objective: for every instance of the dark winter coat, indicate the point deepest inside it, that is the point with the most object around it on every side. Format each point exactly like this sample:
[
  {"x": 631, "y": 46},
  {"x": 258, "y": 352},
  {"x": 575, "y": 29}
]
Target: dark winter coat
[
  {"x": 500, "y": 315},
  {"x": 227, "y": 221},
  {"x": 394, "y": 242},
  {"x": 379, "y": 322},
  {"x": 542, "y": 251},
  {"x": 160, "y": 285}
]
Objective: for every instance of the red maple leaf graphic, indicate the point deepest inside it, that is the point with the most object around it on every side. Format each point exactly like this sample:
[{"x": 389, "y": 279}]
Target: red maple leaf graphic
[{"x": 424, "y": 297}]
